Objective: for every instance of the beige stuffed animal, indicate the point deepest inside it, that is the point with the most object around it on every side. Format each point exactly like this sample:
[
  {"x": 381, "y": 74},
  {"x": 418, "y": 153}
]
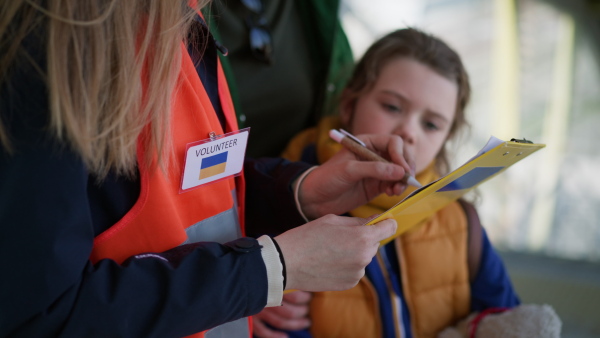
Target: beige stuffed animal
[{"x": 528, "y": 320}]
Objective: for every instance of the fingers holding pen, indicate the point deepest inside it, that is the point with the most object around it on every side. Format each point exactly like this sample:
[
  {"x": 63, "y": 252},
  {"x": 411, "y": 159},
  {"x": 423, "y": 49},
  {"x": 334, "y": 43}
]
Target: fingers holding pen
[
  {"x": 393, "y": 148},
  {"x": 369, "y": 147}
]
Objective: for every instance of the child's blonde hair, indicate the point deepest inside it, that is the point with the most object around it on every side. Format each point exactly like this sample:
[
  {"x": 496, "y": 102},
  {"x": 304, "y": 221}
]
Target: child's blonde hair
[
  {"x": 424, "y": 48},
  {"x": 110, "y": 66}
]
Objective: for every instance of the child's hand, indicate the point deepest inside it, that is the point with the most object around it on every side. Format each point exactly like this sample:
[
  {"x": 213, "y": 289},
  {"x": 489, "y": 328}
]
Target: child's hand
[{"x": 292, "y": 315}]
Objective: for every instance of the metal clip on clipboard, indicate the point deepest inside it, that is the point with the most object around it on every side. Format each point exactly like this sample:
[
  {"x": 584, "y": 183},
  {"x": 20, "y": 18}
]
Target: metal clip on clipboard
[{"x": 523, "y": 140}]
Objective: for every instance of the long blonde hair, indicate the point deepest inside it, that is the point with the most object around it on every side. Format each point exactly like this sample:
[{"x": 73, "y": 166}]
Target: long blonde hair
[{"x": 111, "y": 70}]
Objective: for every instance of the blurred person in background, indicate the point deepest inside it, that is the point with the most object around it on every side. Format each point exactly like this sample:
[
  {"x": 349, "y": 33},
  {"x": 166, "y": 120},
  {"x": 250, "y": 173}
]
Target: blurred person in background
[{"x": 286, "y": 63}]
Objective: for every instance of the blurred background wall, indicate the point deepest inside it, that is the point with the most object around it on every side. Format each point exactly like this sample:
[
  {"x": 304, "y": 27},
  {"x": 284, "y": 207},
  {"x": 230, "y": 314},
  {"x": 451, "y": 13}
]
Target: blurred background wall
[{"x": 535, "y": 73}]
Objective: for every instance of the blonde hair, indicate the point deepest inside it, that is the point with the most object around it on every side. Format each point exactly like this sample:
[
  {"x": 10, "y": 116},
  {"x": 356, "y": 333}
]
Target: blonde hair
[{"x": 112, "y": 67}]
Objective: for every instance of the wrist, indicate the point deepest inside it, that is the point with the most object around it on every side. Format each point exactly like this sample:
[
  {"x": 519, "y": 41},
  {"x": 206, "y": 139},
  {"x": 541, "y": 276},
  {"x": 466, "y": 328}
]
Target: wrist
[{"x": 298, "y": 196}]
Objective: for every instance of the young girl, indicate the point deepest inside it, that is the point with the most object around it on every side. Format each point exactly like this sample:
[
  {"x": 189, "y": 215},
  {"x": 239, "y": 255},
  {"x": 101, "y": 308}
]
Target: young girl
[{"x": 413, "y": 85}]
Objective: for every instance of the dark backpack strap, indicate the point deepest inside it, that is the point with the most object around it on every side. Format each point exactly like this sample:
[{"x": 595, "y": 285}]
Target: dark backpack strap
[{"x": 474, "y": 238}]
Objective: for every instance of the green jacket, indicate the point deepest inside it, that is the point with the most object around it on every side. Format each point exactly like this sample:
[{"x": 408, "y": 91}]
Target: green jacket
[{"x": 330, "y": 50}]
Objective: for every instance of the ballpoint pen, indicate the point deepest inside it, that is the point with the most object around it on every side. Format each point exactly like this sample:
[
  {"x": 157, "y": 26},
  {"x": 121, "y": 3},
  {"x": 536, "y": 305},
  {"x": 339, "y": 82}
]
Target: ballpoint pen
[{"x": 356, "y": 146}]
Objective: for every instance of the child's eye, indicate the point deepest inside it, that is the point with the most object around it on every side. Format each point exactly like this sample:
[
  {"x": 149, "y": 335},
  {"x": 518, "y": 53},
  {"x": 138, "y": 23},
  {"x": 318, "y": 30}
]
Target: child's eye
[
  {"x": 431, "y": 126},
  {"x": 391, "y": 107}
]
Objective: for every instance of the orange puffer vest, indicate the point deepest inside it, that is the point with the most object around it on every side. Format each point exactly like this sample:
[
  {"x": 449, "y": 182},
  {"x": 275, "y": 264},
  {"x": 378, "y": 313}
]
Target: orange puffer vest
[
  {"x": 433, "y": 263},
  {"x": 435, "y": 284}
]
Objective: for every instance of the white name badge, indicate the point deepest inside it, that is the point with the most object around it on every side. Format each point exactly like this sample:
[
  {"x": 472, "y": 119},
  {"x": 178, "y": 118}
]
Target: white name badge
[{"x": 213, "y": 159}]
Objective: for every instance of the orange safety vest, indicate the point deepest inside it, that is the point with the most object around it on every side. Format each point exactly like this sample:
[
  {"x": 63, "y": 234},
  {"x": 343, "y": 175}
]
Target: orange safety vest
[{"x": 162, "y": 218}]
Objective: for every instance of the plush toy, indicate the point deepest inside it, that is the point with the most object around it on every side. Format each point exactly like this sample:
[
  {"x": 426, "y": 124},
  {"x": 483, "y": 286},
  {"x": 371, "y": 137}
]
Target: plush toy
[{"x": 528, "y": 320}]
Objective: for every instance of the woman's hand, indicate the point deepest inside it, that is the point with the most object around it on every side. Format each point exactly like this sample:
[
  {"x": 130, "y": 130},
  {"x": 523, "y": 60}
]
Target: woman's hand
[
  {"x": 331, "y": 253},
  {"x": 345, "y": 182}
]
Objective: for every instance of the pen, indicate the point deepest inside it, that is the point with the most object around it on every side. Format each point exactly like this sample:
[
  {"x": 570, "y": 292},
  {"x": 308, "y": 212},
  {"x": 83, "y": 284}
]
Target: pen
[{"x": 360, "y": 149}]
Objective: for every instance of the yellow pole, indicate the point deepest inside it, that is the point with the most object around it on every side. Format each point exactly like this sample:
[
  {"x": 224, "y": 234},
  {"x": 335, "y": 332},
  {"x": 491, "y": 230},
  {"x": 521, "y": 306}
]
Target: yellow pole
[
  {"x": 505, "y": 94},
  {"x": 505, "y": 71},
  {"x": 554, "y": 134}
]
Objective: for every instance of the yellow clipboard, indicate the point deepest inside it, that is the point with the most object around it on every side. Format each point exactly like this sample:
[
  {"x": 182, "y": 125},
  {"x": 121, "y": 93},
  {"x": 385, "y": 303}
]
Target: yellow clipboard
[{"x": 491, "y": 160}]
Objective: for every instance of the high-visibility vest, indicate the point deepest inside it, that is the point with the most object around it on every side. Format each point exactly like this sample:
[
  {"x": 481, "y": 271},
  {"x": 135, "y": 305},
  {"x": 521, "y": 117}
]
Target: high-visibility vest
[{"x": 162, "y": 218}]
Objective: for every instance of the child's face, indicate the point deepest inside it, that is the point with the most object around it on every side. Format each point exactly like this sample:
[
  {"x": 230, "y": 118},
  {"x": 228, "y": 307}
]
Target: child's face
[{"x": 410, "y": 100}]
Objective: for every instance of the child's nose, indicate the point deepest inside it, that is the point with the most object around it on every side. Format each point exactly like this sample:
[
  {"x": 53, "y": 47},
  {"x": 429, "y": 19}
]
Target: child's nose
[{"x": 407, "y": 130}]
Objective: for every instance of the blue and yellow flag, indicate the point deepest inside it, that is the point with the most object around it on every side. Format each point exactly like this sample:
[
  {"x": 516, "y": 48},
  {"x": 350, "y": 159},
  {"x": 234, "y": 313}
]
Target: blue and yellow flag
[{"x": 213, "y": 165}]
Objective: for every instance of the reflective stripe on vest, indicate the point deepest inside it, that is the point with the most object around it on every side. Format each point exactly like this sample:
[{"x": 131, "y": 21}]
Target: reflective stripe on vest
[
  {"x": 162, "y": 218},
  {"x": 221, "y": 228}
]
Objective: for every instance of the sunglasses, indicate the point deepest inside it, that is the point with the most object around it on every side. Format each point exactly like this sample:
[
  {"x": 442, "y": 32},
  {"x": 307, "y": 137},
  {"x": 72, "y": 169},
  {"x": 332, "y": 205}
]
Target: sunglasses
[{"x": 259, "y": 34}]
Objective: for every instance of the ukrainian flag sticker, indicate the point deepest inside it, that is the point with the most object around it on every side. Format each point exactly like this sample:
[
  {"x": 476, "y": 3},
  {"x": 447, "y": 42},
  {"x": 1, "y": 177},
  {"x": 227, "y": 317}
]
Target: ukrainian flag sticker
[
  {"x": 213, "y": 165},
  {"x": 214, "y": 159}
]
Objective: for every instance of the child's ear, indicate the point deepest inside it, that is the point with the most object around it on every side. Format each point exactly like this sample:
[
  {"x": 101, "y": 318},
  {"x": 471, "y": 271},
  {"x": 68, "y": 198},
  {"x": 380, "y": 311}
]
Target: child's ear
[{"x": 346, "y": 112}]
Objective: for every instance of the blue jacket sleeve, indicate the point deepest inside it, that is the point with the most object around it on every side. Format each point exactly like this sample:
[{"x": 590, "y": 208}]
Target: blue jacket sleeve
[
  {"x": 492, "y": 286},
  {"x": 49, "y": 288}
]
